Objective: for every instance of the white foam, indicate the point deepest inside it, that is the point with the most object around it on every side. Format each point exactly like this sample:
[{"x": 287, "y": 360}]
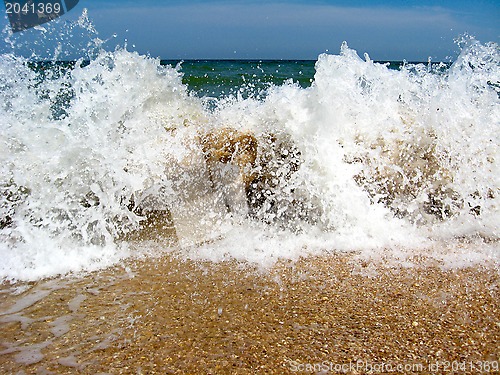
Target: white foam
[
  {"x": 60, "y": 326},
  {"x": 400, "y": 159},
  {"x": 30, "y": 298},
  {"x": 28, "y": 355}
]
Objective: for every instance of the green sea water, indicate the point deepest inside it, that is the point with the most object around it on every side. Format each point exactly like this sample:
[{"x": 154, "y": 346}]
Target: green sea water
[
  {"x": 221, "y": 78},
  {"x": 224, "y": 78},
  {"x": 211, "y": 79},
  {"x": 248, "y": 78}
]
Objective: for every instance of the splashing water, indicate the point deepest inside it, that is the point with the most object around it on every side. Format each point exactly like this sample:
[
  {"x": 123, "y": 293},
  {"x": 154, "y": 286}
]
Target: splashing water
[{"x": 366, "y": 159}]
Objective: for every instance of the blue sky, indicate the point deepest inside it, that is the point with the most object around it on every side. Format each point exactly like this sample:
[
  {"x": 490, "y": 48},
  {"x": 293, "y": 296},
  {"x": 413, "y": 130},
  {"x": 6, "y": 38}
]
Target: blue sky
[{"x": 205, "y": 29}]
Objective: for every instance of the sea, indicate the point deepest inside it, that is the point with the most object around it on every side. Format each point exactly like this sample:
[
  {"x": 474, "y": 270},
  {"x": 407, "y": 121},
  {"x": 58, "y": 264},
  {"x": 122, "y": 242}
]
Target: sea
[{"x": 102, "y": 157}]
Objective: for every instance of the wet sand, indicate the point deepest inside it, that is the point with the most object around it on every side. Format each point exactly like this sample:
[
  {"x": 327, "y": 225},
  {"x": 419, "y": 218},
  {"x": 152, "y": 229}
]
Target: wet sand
[{"x": 317, "y": 315}]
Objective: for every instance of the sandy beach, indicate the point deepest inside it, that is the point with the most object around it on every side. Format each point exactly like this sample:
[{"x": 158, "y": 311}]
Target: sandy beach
[
  {"x": 368, "y": 188},
  {"x": 317, "y": 315}
]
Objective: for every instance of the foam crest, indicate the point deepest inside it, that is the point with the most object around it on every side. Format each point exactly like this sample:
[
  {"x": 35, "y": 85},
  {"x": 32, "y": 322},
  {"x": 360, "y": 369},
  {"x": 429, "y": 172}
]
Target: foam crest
[
  {"x": 68, "y": 181},
  {"x": 387, "y": 157},
  {"x": 366, "y": 159}
]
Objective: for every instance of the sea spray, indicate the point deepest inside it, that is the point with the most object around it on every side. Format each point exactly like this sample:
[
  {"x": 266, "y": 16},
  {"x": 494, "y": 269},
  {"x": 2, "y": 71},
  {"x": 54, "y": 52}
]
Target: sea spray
[
  {"x": 389, "y": 158},
  {"x": 67, "y": 182},
  {"x": 366, "y": 159}
]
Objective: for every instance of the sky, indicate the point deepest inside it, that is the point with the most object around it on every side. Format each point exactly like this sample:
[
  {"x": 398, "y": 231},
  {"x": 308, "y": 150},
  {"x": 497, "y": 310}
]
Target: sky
[{"x": 273, "y": 29}]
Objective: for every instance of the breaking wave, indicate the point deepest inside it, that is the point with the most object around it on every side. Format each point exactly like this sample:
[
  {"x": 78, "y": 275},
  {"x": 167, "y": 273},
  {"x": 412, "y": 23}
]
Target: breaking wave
[{"x": 97, "y": 157}]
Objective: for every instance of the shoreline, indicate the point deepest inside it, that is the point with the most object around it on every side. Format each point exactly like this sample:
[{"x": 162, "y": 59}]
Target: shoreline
[{"x": 171, "y": 316}]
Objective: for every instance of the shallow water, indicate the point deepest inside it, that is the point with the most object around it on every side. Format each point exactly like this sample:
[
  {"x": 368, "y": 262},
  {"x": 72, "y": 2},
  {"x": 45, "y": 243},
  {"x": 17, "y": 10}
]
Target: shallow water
[{"x": 169, "y": 315}]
